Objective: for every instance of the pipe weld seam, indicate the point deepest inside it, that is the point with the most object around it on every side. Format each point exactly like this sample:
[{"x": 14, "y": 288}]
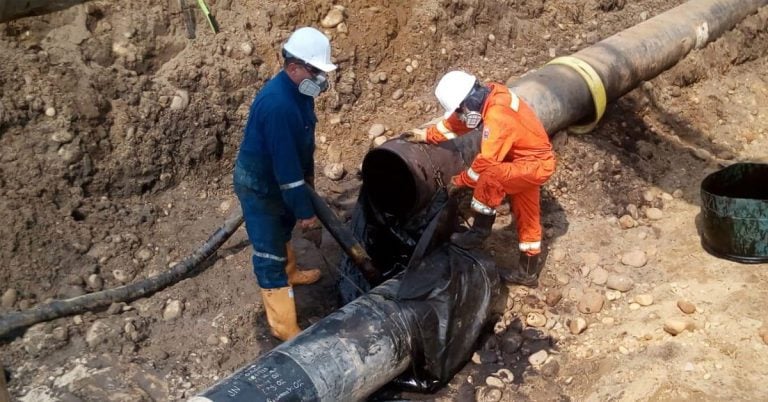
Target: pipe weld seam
[{"x": 595, "y": 85}]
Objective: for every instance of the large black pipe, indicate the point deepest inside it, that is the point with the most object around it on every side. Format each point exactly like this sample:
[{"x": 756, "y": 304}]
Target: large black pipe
[
  {"x": 401, "y": 177},
  {"x": 330, "y": 353},
  {"x": 344, "y": 357},
  {"x": 14, "y": 9},
  {"x": 559, "y": 95}
]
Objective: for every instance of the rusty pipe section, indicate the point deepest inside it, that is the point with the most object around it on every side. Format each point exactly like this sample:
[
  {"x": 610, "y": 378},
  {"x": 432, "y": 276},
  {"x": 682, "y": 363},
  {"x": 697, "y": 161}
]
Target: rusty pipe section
[
  {"x": 15, "y": 9},
  {"x": 400, "y": 177}
]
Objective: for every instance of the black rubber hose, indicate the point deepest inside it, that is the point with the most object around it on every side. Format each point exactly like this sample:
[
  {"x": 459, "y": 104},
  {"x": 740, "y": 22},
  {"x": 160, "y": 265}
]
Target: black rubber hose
[
  {"x": 344, "y": 237},
  {"x": 76, "y": 305}
]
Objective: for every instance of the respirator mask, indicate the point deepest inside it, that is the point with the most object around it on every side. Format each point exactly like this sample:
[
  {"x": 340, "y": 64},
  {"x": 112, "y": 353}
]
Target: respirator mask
[
  {"x": 316, "y": 85},
  {"x": 470, "y": 118},
  {"x": 469, "y": 111}
]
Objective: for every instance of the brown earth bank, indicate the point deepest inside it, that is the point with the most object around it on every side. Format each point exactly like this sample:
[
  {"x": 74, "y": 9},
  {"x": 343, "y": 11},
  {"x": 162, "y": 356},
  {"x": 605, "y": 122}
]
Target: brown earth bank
[{"x": 117, "y": 140}]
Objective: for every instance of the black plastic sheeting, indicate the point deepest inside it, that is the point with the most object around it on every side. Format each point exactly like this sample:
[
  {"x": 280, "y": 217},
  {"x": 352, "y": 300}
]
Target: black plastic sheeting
[
  {"x": 445, "y": 292},
  {"x": 391, "y": 241},
  {"x": 448, "y": 300}
]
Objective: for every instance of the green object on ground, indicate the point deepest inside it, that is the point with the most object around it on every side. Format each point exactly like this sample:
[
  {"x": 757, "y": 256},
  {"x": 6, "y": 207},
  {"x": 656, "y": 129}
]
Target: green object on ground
[{"x": 208, "y": 16}]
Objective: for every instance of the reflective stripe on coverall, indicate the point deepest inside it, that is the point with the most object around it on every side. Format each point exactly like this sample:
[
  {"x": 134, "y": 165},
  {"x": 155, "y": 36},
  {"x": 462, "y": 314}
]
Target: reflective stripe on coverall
[
  {"x": 515, "y": 158},
  {"x": 276, "y": 155}
]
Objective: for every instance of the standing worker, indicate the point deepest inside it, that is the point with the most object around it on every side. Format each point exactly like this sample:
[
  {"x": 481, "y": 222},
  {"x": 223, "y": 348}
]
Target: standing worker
[
  {"x": 273, "y": 169},
  {"x": 515, "y": 159}
]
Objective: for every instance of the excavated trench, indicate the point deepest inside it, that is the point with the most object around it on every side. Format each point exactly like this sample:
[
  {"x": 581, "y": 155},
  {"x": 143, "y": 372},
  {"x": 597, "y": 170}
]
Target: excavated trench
[{"x": 80, "y": 201}]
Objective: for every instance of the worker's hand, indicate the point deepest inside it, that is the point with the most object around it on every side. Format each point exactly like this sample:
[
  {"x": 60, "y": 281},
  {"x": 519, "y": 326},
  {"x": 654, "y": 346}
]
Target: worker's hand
[
  {"x": 308, "y": 223},
  {"x": 463, "y": 180},
  {"x": 415, "y": 135},
  {"x": 434, "y": 136},
  {"x": 454, "y": 190},
  {"x": 315, "y": 235}
]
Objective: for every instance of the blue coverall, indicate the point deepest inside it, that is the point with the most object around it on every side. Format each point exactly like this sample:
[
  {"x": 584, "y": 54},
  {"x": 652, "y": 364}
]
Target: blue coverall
[{"x": 276, "y": 156}]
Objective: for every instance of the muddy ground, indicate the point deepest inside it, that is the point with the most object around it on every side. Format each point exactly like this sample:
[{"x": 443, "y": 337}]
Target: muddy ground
[{"x": 117, "y": 140}]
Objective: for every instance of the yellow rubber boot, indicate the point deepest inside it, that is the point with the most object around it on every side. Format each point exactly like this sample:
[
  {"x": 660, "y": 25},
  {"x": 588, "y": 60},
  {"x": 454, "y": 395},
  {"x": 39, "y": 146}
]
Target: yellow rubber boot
[
  {"x": 281, "y": 312},
  {"x": 295, "y": 275}
]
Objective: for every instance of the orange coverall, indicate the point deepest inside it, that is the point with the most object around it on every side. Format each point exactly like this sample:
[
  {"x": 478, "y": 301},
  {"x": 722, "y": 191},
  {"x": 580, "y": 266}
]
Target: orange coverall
[{"x": 515, "y": 158}]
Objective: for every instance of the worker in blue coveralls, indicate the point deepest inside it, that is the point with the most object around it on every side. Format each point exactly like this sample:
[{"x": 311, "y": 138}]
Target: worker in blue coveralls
[{"x": 274, "y": 168}]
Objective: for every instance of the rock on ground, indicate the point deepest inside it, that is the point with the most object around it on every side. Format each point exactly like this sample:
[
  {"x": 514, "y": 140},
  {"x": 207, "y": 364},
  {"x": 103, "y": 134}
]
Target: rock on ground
[
  {"x": 99, "y": 333},
  {"x": 763, "y": 333},
  {"x": 173, "y": 310},
  {"x": 334, "y": 17},
  {"x": 599, "y": 276},
  {"x": 488, "y": 394},
  {"x": 577, "y": 325},
  {"x": 635, "y": 258},
  {"x": 654, "y": 214},
  {"x": 376, "y": 130},
  {"x": 537, "y": 359},
  {"x": 553, "y": 297},
  {"x": 334, "y": 171},
  {"x": 591, "y": 302},
  {"x": 627, "y": 222},
  {"x": 536, "y": 320},
  {"x": 686, "y": 307},
  {"x": 644, "y": 299},
  {"x": 9, "y": 298},
  {"x": 620, "y": 283},
  {"x": 676, "y": 326}
]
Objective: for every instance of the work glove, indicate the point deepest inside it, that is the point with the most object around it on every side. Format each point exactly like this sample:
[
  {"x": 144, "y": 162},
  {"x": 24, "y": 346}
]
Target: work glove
[
  {"x": 416, "y": 135},
  {"x": 314, "y": 234},
  {"x": 463, "y": 180},
  {"x": 434, "y": 136},
  {"x": 428, "y": 135},
  {"x": 454, "y": 190}
]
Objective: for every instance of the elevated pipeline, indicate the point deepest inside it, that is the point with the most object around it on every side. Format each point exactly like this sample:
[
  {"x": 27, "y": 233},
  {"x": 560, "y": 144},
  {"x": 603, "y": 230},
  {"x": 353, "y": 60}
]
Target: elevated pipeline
[{"x": 397, "y": 175}]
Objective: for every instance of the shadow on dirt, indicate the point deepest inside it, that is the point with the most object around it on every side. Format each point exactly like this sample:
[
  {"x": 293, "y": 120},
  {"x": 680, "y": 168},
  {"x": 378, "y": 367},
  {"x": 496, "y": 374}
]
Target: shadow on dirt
[{"x": 648, "y": 156}]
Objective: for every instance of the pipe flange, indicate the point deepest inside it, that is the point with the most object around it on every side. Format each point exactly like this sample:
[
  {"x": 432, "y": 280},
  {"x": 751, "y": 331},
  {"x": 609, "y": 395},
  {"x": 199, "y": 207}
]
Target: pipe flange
[{"x": 595, "y": 85}]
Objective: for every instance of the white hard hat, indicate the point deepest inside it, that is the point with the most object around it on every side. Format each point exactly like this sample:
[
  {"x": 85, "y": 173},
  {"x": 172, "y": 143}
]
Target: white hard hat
[
  {"x": 453, "y": 88},
  {"x": 311, "y": 46}
]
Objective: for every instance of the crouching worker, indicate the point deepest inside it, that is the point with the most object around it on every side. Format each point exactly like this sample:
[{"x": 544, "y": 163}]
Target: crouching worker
[
  {"x": 515, "y": 159},
  {"x": 275, "y": 165}
]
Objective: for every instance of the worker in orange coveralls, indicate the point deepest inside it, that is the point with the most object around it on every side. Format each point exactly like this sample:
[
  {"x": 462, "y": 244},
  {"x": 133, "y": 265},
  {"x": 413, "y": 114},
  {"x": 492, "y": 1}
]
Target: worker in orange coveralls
[{"x": 515, "y": 159}]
